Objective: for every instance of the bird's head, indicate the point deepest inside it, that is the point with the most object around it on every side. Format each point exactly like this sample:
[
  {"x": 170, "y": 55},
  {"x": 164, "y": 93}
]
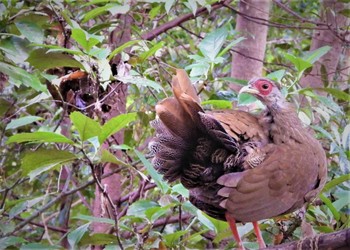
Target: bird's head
[{"x": 266, "y": 91}]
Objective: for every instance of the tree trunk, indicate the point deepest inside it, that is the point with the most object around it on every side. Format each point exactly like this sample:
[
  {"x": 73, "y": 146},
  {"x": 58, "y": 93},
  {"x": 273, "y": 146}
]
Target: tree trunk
[
  {"x": 329, "y": 14},
  {"x": 247, "y": 62},
  {"x": 118, "y": 106}
]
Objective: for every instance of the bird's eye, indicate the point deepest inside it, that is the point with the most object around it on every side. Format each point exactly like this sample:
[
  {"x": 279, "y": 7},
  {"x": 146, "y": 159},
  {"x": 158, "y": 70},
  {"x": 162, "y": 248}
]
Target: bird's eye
[{"x": 265, "y": 86}]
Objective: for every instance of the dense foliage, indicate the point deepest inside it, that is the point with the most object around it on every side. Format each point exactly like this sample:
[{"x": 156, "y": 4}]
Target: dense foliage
[{"x": 44, "y": 134}]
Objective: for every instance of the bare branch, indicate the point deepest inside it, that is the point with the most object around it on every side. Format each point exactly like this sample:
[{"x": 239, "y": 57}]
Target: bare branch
[{"x": 176, "y": 22}]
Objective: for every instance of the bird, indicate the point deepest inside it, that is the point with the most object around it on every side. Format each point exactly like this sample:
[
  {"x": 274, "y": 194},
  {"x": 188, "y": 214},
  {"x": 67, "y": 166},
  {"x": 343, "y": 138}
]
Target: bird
[{"x": 238, "y": 166}]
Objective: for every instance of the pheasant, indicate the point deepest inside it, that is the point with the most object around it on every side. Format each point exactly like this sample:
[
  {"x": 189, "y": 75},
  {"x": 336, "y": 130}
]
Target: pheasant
[{"x": 237, "y": 166}]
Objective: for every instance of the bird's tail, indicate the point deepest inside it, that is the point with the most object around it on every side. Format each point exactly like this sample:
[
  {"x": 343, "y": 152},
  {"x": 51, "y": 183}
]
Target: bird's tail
[{"x": 176, "y": 127}]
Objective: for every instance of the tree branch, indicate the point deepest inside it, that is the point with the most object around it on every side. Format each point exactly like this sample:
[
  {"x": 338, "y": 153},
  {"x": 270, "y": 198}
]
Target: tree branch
[
  {"x": 169, "y": 25},
  {"x": 338, "y": 240}
]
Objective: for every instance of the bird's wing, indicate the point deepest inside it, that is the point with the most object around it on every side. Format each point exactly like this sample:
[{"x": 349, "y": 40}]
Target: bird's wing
[{"x": 278, "y": 185}]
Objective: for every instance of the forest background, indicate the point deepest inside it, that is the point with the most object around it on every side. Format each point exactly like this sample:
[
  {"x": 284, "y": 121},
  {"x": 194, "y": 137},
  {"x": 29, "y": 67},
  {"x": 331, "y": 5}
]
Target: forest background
[{"x": 79, "y": 81}]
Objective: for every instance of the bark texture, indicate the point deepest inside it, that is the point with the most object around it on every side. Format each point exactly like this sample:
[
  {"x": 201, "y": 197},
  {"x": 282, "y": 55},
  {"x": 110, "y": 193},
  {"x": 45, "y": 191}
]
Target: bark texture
[
  {"x": 248, "y": 61},
  {"x": 333, "y": 37},
  {"x": 117, "y": 102},
  {"x": 336, "y": 241}
]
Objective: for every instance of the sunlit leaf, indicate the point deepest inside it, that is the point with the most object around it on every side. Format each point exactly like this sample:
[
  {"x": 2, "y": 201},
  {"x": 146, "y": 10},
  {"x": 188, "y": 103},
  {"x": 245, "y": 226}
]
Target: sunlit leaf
[
  {"x": 341, "y": 95},
  {"x": 86, "y": 126},
  {"x": 98, "y": 239},
  {"x": 277, "y": 75},
  {"x": 180, "y": 189},
  {"x": 213, "y": 42},
  {"x": 335, "y": 182},
  {"x": 218, "y": 104},
  {"x": 172, "y": 239},
  {"x": 151, "y": 51},
  {"x": 140, "y": 82},
  {"x": 75, "y": 236},
  {"x": 107, "y": 156},
  {"x": 316, "y": 54},
  {"x": 22, "y": 121},
  {"x": 39, "y": 137},
  {"x": 153, "y": 173},
  {"x": 121, "y": 48},
  {"x": 230, "y": 45},
  {"x": 330, "y": 206},
  {"x": 43, "y": 59},
  {"x": 299, "y": 63},
  {"x": 115, "y": 124},
  {"x": 36, "y": 162},
  {"x": 139, "y": 208},
  {"x": 20, "y": 76},
  {"x": 30, "y": 30}
]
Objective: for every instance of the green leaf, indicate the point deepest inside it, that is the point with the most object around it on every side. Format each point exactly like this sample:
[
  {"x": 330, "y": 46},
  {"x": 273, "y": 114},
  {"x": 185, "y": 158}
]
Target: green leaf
[
  {"x": 172, "y": 239},
  {"x": 122, "y": 47},
  {"x": 22, "y": 206},
  {"x": 22, "y": 121},
  {"x": 151, "y": 51},
  {"x": 180, "y": 189},
  {"x": 39, "y": 137},
  {"x": 335, "y": 182},
  {"x": 139, "y": 207},
  {"x": 277, "y": 75},
  {"x": 96, "y": 12},
  {"x": 20, "y": 76},
  {"x": 55, "y": 48},
  {"x": 36, "y": 162},
  {"x": 94, "y": 219},
  {"x": 86, "y": 40},
  {"x": 204, "y": 220},
  {"x": 192, "y": 5},
  {"x": 30, "y": 30},
  {"x": 115, "y": 124},
  {"x": 38, "y": 246},
  {"x": 230, "y": 45},
  {"x": 43, "y": 59},
  {"x": 316, "y": 54},
  {"x": 15, "y": 48},
  {"x": 345, "y": 12},
  {"x": 299, "y": 63},
  {"x": 168, "y": 5},
  {"x": 107, "y": 156},
  {"x": 199, "y": 69},
  {"x": 244, "y": 99},
  {"x": 153, "y": 213},
  {"x": 219, "y": 104},
  {"x": 341, "y": 95},
  {"x": 155, "y": 11},
  {"x": 213, "y": 42},
  {"x": 140, "y": 82},
  {"x": 75, "y": 236},
  {"x": 11, "y": 241},
  {"x": 330, "y": 206},
  {"x": 153, "y": 173},
  {"x": 86, "y": 126},
  {"x": 98, "y": 239}
]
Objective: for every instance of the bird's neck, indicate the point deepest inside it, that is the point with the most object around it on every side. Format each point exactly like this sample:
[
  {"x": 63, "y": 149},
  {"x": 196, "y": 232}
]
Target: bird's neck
[{"x": 286, "y": 126}]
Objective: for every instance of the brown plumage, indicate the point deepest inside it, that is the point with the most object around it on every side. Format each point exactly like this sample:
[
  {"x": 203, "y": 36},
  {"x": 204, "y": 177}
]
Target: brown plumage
[{"x": 238, "y": 166}]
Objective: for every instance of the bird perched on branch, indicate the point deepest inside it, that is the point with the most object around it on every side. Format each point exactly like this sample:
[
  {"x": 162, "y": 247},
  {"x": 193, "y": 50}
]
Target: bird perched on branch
[{"x": 237, "y": 166}]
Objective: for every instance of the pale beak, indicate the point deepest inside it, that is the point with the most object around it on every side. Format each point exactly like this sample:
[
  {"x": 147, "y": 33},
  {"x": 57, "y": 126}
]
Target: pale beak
[{"x": 248, "y": 89}]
